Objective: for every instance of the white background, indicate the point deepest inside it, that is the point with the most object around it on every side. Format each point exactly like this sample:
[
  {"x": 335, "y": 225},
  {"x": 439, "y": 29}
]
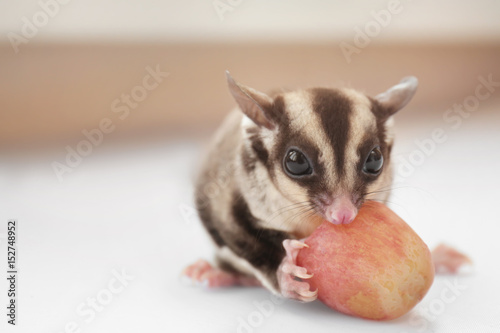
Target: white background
[
  {"x": 120, "y": 209},
  {"x": 293, "y": 20}
]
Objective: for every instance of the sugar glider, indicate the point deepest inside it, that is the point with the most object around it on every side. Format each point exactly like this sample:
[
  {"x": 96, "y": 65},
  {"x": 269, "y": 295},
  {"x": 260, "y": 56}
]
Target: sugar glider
[{"x": 281, "y": 164}]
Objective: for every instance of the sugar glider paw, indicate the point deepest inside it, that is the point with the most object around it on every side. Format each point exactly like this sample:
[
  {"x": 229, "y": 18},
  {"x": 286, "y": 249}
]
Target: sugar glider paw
[
  {"x": 447, "y": 260},
  {"x": 291, "y": 277},
  {"x": 202, "y": 273}
]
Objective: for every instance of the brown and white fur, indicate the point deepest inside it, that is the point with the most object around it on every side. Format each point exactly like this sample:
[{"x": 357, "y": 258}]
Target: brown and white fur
[{"x": 256, "y": 212}]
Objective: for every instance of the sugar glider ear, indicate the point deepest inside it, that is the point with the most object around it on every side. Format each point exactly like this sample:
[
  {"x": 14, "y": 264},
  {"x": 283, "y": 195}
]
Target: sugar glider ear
[
  {"x": 253, "y": 103},
  {"x": 398, "y": 96}
]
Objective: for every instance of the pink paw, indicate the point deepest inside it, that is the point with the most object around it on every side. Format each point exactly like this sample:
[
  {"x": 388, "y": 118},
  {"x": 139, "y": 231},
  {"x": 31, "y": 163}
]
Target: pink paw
[
  {"x": 291, "y": 276},
  {"x": 204, "y": 274},
  {"x": 447, "y": 260}
]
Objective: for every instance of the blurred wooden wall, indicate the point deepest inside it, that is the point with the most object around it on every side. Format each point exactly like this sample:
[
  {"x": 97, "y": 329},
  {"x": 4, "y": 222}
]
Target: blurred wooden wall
[{"x": 50, "y": 92}]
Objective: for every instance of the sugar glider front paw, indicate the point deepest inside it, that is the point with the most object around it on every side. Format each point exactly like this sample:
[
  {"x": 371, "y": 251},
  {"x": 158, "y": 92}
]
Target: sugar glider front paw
[{"x": 291, "y": 277}]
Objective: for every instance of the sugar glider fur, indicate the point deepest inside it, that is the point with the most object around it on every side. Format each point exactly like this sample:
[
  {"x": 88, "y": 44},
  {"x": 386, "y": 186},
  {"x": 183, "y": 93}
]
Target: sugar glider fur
[{"x": 281, "y": 164}]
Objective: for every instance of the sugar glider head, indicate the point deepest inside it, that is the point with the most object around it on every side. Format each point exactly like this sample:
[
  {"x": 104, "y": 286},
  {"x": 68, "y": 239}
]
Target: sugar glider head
[{"x": 329, "y": 148}]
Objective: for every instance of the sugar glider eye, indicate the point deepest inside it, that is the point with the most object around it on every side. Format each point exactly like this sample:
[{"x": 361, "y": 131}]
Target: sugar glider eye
[
  {"x": 374, "y": 162},
  {"x": 296, "y": 163}
]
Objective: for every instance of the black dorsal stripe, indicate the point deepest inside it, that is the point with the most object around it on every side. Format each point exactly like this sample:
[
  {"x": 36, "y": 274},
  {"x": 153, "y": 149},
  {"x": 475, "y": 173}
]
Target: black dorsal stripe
[
  {"x": 260, "y": 246},
  {"x": 205, "y": 213},
  {"x": 334, "y": 110}
]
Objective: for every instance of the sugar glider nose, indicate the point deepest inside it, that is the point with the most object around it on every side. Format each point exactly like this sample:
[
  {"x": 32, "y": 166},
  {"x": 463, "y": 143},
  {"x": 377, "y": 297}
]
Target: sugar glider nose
[{"x": 341, "y": 211}]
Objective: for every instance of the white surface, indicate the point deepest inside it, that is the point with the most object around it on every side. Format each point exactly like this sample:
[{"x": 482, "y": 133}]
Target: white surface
[
  {"x": 292, "y": 20},
  {"x": 120, "y": 210}
]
